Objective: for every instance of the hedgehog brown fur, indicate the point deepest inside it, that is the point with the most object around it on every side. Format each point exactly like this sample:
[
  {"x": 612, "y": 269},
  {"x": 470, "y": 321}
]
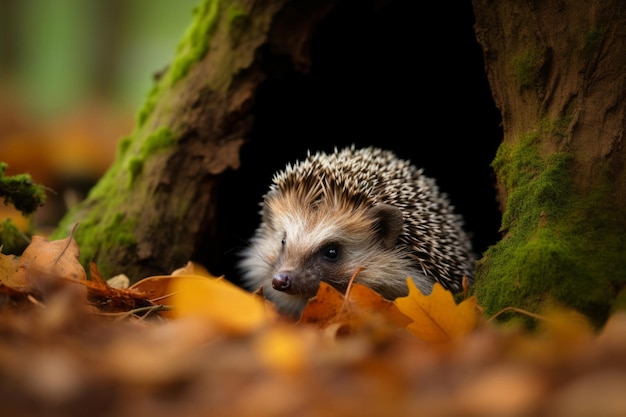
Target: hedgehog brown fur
[{"x": 329, "y": 214}]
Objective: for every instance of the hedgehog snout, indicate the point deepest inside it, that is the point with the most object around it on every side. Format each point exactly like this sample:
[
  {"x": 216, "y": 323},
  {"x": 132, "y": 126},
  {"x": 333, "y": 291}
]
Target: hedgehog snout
[{"x": 282, "y": 281}]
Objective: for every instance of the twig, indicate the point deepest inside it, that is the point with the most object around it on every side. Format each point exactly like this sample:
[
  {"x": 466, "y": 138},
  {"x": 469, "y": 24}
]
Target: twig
[
  {"x": 146, "y": 311},
  {"x": 69, "y": 240},
  {"x": 344, "y": 306},
  {"x": 517, "y": 310}
]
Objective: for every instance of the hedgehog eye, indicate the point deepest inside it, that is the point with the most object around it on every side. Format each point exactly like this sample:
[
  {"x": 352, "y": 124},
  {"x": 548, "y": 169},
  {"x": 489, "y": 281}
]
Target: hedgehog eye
[
  {"x": 283, "y": 240},
  {"x": 331, "y": 253}
]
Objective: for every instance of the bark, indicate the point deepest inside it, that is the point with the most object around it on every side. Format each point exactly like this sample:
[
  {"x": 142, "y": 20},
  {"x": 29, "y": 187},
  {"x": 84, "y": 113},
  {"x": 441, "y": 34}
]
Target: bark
[{"x": 556, "y": 71}]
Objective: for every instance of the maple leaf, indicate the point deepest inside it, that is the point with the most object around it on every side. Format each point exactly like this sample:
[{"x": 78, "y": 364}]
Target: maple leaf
[
  {"x": 324, "y": 308},
  {"x": 436, "y": 317},
  {"x": 366, "y": 298}
]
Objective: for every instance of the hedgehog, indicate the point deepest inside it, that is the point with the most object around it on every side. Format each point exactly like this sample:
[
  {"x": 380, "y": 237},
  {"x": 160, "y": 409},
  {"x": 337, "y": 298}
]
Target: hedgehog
[{"x": 331, "y": 214}]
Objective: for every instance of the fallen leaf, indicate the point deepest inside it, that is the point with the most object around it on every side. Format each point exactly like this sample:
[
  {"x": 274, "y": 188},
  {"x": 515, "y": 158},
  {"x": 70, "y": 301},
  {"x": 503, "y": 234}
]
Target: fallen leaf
[
  {"x": 45, "y": 266},
  {"x": 282, "y": 349},
  {"x": 369, "y": 300},
  {"x": 324, "y": 308},
  {"x": 8, "y": 267},
  {"x": 156, "y": 288},
  {"x": 436, "y": 317},
  {"x": 192, "y": 268},
  {"x": 218, "y": 301}
]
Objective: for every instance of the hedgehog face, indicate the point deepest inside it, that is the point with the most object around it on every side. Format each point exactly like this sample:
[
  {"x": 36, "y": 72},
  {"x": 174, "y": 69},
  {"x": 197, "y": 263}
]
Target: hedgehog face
[{"x": 326, "y": 242}]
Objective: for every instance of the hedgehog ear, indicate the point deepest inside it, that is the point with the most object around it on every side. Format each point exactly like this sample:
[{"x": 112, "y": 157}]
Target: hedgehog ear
[{"x": 388, "y": 223}]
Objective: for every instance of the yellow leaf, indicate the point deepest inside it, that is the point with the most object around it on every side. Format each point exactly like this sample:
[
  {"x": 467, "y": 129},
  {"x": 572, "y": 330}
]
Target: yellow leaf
[
  {"x": 192, "y": 268},
  {"x": 282, "y": 349},
  {"x": 436, "y": 317},
  {"x": 217, "y": 301}
]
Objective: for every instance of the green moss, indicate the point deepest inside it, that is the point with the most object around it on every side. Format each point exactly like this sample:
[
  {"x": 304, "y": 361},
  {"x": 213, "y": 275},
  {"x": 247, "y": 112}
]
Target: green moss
[
  {"x": 195, "y": 43},
  {"x": 12, "y": 240},
  {"x": 123, "y": 146},
  {"x": 192, "y": 48},
  {"x": 555, "y": 127},
  {"x": 160, "y": 140},
  {"x": 95, "y": 233},
  {"x": 559, "y": 246},
  {"x": 135, "y": 166},
  {"x": 238, "y": 19},
  {"x": 21, "y": 191},
  {"x": 149, "y": 104},
  {"x": 527, "y": 68}
]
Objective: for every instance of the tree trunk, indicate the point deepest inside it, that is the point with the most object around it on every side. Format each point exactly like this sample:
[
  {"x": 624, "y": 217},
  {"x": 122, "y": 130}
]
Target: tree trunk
[
  {"x": 158, "y": 201},
  {"x": 556, "y": 71}
]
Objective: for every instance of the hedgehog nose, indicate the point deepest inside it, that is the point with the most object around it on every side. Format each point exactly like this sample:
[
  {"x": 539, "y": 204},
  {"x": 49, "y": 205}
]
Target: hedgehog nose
[{"x": 282, "y": 281}]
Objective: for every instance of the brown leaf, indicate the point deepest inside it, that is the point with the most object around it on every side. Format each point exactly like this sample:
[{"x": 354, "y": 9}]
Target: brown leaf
[
  {"x": 155, "y": 288},
  {"x": 8, "y": 277},
  {"x": 46, "y": 266}
]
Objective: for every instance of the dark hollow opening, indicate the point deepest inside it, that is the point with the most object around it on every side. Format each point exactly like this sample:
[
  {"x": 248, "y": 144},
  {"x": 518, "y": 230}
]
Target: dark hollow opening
[{"x": 408, "y": 77}]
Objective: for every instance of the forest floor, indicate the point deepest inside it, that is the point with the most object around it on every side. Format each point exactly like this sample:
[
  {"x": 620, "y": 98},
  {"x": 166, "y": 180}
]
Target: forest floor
[{"x": 76, "y": 347}]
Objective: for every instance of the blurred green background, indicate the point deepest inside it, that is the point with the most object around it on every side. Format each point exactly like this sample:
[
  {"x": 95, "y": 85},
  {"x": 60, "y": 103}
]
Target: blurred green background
[
  {"x": 73, "y": 74},
  {"x": 55, "y": 54}
]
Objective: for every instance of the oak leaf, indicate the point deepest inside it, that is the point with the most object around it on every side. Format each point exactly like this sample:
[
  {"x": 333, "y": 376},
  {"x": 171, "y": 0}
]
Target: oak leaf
[{"x": 437, "y": 317}]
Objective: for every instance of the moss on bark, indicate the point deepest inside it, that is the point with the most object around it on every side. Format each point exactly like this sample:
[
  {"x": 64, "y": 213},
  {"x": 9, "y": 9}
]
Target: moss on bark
[{"x": 560, "y": 245}]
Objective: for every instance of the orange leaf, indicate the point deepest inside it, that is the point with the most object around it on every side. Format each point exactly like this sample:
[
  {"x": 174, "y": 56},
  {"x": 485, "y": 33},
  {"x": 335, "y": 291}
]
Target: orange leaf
[
  {"x": 330, "y": 306},
  {"x": 436, "y": 317},
  {"x": 156, "y": 288},
  {"x": 370, "y": 300},
  {"x": 217, "y": 301},
  {"x": 324, "y": 308}
]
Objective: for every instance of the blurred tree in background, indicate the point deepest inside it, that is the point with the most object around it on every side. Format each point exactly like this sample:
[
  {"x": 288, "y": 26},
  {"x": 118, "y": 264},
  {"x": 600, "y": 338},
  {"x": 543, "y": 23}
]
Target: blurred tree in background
[{"x": 72, "y": 74}]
